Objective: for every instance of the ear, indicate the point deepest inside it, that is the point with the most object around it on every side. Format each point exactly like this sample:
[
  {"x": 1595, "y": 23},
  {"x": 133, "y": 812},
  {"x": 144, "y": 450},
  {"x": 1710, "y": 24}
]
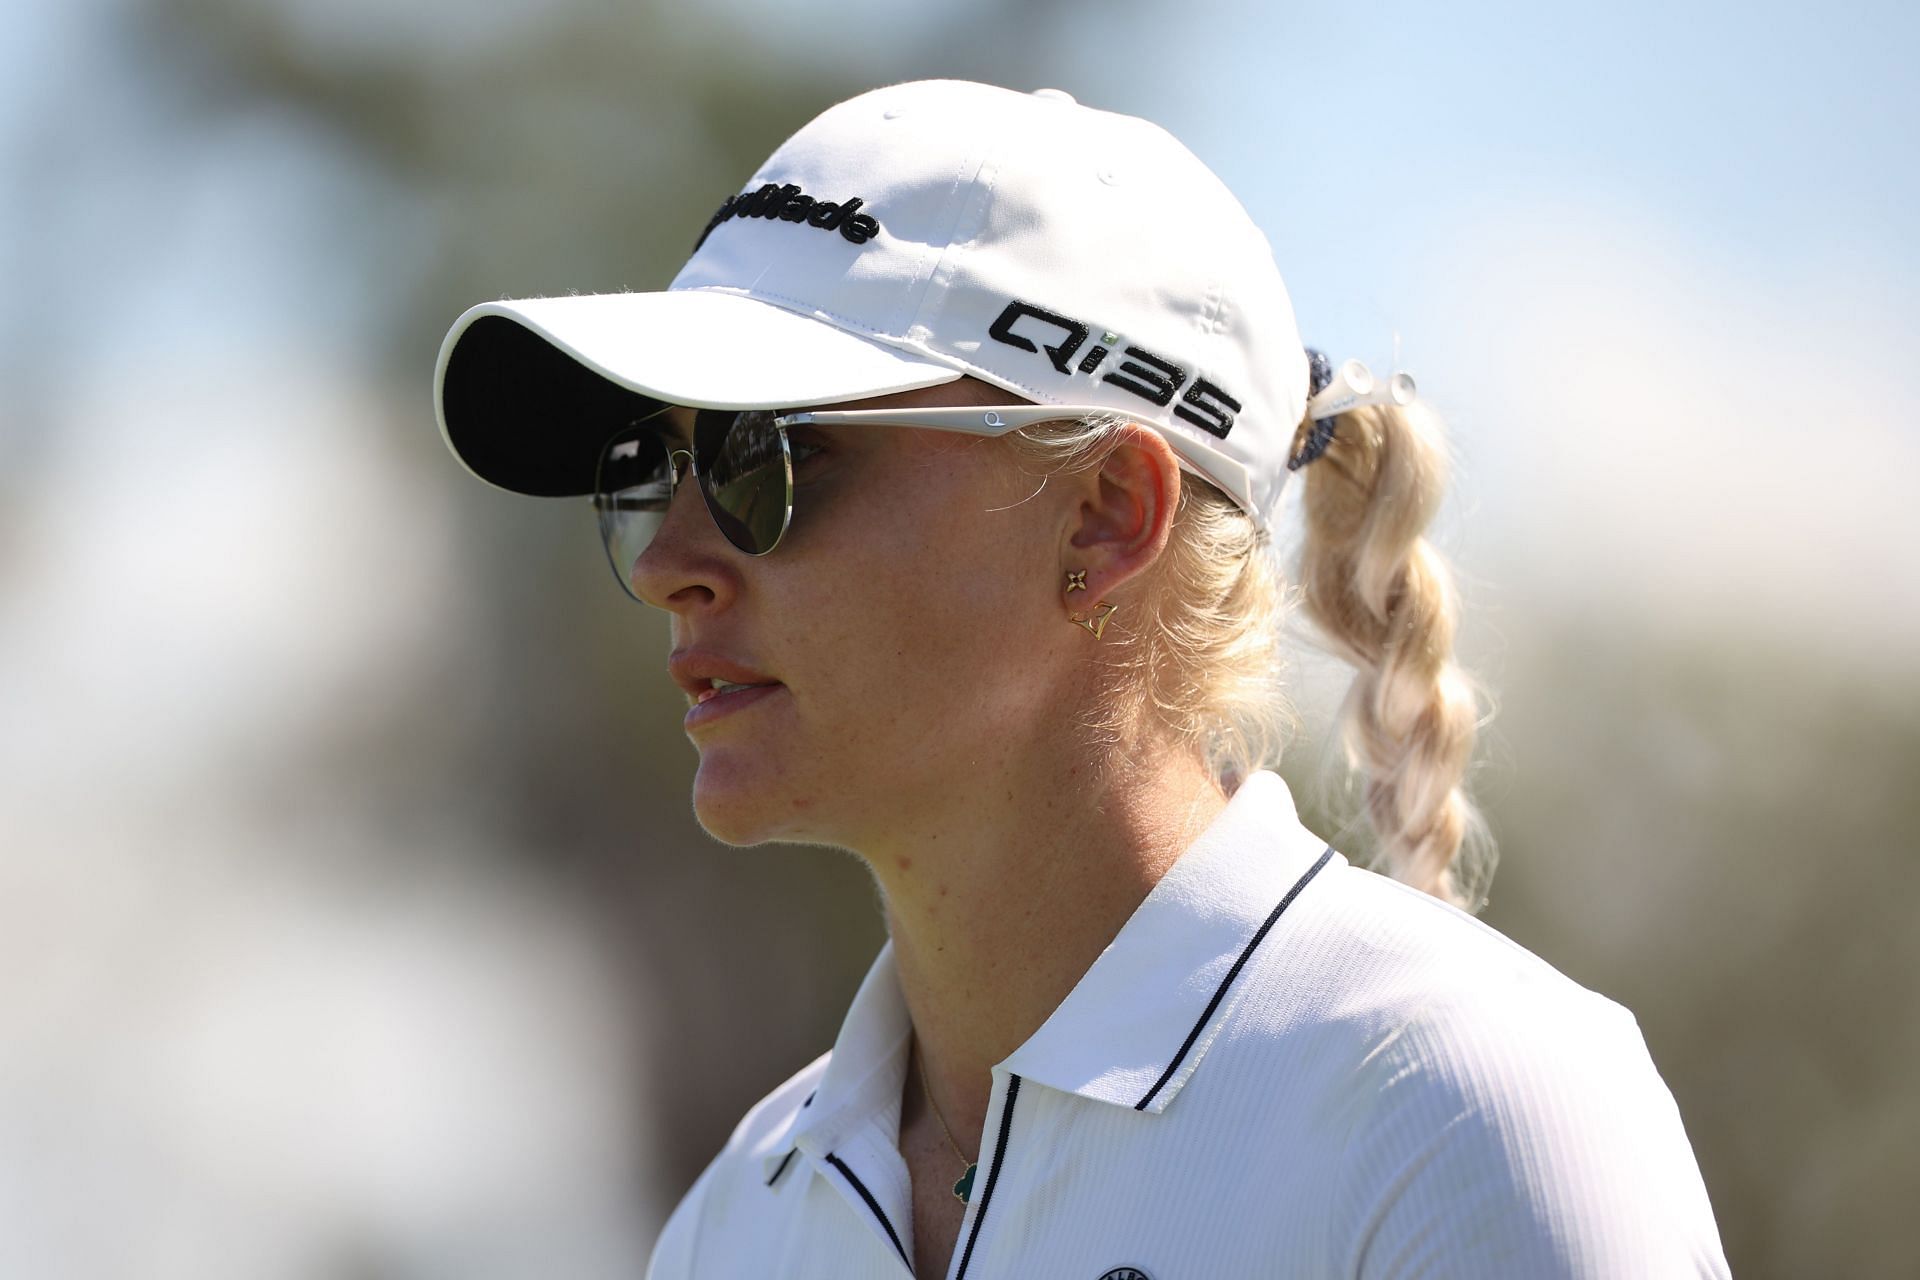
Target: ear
[{"x": 1126, "y": 511}]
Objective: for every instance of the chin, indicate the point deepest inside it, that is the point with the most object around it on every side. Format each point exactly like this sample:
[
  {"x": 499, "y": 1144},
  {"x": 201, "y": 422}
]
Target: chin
[{"x": 742, "y": 803}]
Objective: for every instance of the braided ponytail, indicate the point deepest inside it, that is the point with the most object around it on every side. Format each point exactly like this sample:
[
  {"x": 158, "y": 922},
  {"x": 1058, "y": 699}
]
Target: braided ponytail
[
  {"x": 1202, "y": 657},
  {"x": 1384, "y": 599}
]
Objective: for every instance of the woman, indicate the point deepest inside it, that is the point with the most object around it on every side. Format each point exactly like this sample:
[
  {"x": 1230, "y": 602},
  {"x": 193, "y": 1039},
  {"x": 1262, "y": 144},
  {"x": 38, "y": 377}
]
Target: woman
[{"x": 988, "y": 400}]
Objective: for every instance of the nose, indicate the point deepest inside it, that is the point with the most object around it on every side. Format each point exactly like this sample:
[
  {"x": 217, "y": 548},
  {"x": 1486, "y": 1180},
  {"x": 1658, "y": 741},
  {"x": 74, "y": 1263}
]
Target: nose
[{"x": 689, "y": 566}]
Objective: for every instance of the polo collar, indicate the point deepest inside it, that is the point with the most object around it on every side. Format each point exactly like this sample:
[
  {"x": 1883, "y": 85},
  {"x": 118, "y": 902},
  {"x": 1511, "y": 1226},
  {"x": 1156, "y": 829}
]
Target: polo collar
[
  {"x": 865, "y": 1074},
  {"x": 1140, "y": 1021}
]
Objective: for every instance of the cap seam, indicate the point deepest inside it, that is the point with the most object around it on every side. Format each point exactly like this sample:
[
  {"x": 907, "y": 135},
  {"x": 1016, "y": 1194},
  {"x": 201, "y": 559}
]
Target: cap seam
[{"x": 940, "y": 279}]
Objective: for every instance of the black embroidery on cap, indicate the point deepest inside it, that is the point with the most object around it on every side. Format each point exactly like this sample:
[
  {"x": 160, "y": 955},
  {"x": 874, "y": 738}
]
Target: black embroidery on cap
[
  {"x": 859, "y": 228},
  {"x": 786, "y": 202},
  {"x": 1148, "y": 376},
  {"x": 768, "y": 199},
  {"x": 1075, "y": 333},
  {"x": 1153, "y": 378},
  {"x": 1217, "y": 406}
]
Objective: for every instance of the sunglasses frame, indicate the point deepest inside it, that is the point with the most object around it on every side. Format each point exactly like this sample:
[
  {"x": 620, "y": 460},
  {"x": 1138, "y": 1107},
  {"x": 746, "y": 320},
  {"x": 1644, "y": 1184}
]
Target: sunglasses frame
[
  {"x": 999, "y": 419},
  {"x": 972, "y": 419},
  {"x": 976, "y": 420}
]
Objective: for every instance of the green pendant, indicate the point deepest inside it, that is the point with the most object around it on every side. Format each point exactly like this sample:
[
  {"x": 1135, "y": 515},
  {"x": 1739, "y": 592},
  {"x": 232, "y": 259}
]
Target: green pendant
[{"x": 963, "y": 1189}]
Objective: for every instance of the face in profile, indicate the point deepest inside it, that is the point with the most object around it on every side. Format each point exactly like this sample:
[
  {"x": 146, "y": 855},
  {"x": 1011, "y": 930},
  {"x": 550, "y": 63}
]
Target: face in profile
[{"x": 910, "y": 623}]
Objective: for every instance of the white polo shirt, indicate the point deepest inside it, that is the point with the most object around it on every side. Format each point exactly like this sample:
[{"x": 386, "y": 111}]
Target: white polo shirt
[{"x": 1282, "y": 1066}]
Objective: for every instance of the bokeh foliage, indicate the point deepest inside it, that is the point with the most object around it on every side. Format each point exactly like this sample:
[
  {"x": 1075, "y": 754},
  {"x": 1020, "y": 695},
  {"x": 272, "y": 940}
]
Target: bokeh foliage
[{"x": 1712, "y": 828}]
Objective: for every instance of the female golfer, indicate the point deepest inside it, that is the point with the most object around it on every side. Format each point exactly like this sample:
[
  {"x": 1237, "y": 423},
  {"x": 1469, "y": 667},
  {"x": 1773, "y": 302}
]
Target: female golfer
[{"x": 954, "y": 454}]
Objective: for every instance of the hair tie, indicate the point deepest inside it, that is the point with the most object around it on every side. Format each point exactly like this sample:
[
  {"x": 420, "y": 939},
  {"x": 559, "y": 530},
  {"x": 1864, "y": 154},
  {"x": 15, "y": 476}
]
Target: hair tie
[
  {"x": 1319, "y": 374},
  {"x": 1331, "y": 393}
]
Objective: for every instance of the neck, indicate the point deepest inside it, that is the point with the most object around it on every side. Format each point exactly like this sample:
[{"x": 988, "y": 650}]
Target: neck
[{"x": 998, "y": 905}]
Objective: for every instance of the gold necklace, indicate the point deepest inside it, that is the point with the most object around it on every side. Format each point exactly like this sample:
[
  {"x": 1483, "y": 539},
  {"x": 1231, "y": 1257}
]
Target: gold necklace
[{"x": 964, "y": 1187}]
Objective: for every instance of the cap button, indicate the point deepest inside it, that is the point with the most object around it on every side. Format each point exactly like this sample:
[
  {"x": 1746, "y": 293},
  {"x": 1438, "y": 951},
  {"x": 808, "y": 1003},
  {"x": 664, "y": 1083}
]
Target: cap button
[{"x": 1057, "y": 95}]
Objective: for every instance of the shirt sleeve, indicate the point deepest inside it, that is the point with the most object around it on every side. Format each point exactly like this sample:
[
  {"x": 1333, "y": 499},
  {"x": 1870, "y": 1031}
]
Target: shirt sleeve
[{"x": 1508, "y": 1139}]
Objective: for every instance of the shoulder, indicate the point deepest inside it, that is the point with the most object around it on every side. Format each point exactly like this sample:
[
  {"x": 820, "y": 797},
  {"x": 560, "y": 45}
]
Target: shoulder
[
  {"x": 1363, "y": 965},
  {"x": 1478, "y": 1103},
  {"x": 737, "y": 1168},
  {"x": 1451, "y": 1018},
  {"x": 1399, "y": 952}
]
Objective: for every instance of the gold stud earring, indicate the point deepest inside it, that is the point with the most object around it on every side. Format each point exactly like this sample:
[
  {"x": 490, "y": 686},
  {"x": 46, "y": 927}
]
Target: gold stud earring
[
  {"x": 1098, "y": 622},
  {"x": 1076, "y": 579}
]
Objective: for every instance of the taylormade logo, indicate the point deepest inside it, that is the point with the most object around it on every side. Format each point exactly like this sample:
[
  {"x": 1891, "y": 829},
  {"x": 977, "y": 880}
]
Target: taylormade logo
[{"x": 789, "y": 203}]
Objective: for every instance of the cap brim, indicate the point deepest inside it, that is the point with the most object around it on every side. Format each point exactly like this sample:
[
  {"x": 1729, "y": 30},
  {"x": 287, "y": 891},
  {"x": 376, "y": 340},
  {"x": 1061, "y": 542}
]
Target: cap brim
[{"x": 528, "y": 391}]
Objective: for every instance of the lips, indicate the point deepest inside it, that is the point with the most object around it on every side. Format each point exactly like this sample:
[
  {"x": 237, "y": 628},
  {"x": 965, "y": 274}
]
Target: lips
[
  {"x": 721, "y": 687},
  {"x": 718, "y": 705},
  {"x": 695, "y": 670}
]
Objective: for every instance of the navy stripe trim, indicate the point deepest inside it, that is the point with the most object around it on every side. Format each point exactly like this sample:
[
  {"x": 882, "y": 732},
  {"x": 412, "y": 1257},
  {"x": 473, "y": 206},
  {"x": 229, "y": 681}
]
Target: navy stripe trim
[
  {"x": 1220, "y": 993},
  {"x": 993, "y": 1174},
  {"x": 872, "y": 1204},
  {"x": 789, "y": 1156}
]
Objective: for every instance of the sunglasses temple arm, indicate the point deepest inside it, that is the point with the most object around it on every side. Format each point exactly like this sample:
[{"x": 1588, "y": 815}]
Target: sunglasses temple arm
[{"x": 971, "y": 421}]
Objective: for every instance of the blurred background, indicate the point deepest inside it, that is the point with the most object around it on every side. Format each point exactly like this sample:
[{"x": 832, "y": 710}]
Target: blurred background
[{"x": 353, "y": 922}]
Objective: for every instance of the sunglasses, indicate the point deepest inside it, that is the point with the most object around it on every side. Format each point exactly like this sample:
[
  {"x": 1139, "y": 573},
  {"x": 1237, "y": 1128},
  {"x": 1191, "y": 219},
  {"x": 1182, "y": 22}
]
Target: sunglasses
[{"x": 743, "y": 462}]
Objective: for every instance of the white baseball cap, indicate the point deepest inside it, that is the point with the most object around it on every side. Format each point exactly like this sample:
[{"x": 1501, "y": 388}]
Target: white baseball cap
[{"x": 904, "y": 238}]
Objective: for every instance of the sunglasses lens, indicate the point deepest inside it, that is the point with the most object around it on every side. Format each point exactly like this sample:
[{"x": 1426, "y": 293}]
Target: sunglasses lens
[
  {"x": 746, "y": 476},
  {"x": 632, "y": 485}
]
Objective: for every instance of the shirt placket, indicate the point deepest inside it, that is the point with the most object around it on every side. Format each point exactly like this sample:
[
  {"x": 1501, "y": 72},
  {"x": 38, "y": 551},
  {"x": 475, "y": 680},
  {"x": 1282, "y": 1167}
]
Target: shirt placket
[{"x": 991, "y": 1193}]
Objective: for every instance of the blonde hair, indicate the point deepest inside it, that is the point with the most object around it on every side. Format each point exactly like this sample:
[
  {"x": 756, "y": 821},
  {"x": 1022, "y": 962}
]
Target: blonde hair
[{"x": 1203, "y": 658}]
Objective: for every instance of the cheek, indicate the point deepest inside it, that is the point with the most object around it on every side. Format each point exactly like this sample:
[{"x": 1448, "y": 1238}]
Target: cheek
[
  {"x": 930, "y": 609},
  {"x": 913, "y": 637}
]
